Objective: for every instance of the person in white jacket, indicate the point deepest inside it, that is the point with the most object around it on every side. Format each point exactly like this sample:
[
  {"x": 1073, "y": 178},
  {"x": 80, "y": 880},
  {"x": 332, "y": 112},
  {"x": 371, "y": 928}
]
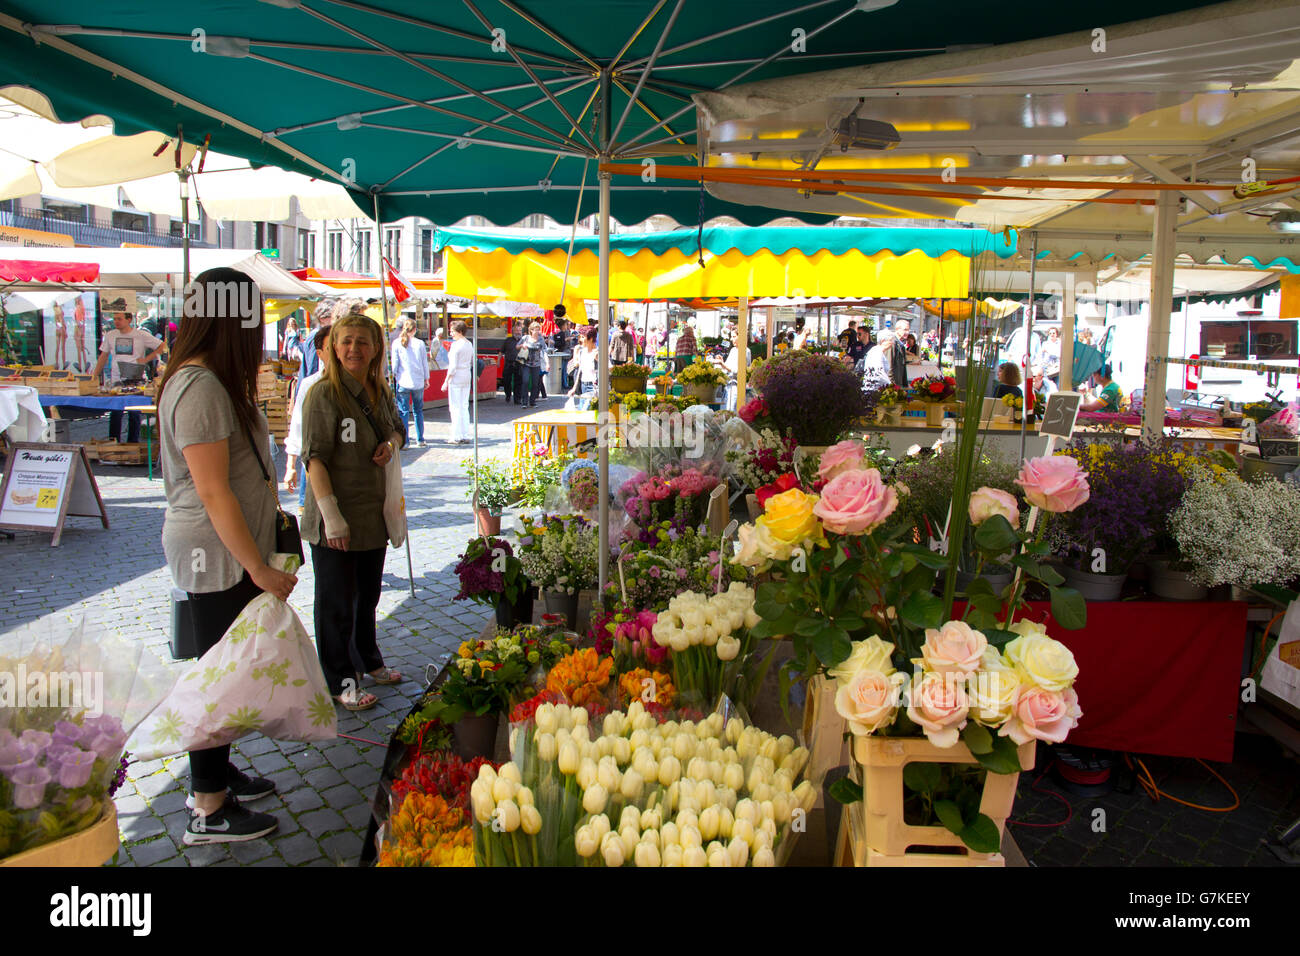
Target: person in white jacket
[
  {"x": 460, "y": 379},
  {"x": 410, "y": 364},
  {"x": 295, "y": 476}
]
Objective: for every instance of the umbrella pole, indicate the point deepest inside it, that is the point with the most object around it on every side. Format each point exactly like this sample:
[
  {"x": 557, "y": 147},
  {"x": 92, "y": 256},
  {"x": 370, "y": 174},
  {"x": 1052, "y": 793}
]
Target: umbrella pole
[
  {"x": 602, "y": 347},
  {"x": 185, "y": 227},
  {"x": 1029, "y": 331},
  {"x": 474, "y": 398}
]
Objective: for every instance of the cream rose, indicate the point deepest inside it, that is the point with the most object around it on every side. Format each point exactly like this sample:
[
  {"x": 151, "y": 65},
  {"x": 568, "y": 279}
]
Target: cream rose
[
  {"x": 869, "y": 700},
  {"x": 955, "y": 648},
  {"x": 1041, "y": 714},
  {"x": 987, "y": 502},
  {"x": 1041, "y": 661},
  {"x": 992, "y": 695},
  {"x": 938, "y": 705},
  {"x": 873, "y": 654}
]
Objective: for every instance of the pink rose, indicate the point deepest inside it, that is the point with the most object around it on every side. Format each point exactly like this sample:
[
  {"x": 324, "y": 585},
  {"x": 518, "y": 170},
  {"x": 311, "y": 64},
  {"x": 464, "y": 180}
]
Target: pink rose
[
  {"x": 1042, "y": 715},
  {"x": 1054, "y": 483},
  {"x": 938, "y": 705},
  {"x": 846, "y": 456},
  {"x": 855, "y": 502},
  {"x": 987, "y": 502},
  {"x": 868, "y": 701},
  {"x": 956, "y": 648}
]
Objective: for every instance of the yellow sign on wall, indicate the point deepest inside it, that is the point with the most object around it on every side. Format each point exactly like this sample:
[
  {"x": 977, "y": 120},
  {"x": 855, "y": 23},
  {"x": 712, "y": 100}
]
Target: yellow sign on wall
[{"x": 33, "y": 238}]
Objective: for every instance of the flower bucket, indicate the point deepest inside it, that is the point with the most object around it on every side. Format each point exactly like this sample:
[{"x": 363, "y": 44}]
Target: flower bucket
[
  {"x": 882, "y": 836},
  {"x": 565, "y": 605},
  {"x": 893, "y": 415},
  {"x": 703, "y": 394},
  {"x": 1167, "y": 582},
  {"x": 90, "y": 847},
  {"x": 487, "y": 522},
  {"x": 624, "y": 384},
  {"x": 1095, "y": 587},
  {"x": 476, "y": 736},
  {"x": 934, "y": 414},
  {"x": 521, "y": 612}
]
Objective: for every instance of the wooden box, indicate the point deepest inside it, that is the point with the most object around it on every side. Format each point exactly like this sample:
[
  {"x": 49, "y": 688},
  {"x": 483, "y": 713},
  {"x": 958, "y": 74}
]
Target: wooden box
[
  {"x": 823, "y": 729},
  {"x": 885, "y": 837}
]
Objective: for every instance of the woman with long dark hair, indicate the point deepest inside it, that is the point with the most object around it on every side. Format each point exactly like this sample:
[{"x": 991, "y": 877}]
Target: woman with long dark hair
[
  {"x": 350, "y": 432},
  {"x": 219, "y": 528}
]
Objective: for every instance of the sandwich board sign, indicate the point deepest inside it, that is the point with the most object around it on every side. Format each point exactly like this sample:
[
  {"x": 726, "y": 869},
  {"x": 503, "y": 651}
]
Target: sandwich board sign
[{"x": 44, "y": 484}]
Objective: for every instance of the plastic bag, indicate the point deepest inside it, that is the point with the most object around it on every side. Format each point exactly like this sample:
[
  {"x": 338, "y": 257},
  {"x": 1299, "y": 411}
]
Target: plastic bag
[
  {"x": 68, "y": 701},
  {"x": 263, "y": 676},
  {"x": 1282, "y": 424}
]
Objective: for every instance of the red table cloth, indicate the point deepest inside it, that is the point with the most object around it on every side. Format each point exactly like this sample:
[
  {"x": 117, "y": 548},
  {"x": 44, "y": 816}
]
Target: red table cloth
[{"x": 1157, "y": 677}]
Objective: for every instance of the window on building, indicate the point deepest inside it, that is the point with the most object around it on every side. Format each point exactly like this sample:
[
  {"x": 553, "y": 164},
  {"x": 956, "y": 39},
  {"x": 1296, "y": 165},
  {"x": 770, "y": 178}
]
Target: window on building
[
  {"x": 334, "y": 249},
  {"x": 66, "y": 211},
  {"x": 426, "y": 251},
  {"x": 535, "y": 221},
  {"x": 130, "y": 220},
  {"x": 363, "y": 252},
  {"x": 393, "y": 247},
  {"x": 307, "y": 249}
]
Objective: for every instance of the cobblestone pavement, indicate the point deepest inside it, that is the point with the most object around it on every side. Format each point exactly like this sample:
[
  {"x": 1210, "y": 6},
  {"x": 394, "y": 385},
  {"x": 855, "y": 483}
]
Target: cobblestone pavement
[{"x": 116, "y": 578}]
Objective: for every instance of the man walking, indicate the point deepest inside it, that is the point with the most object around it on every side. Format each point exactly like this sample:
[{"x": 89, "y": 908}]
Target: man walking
[
  {"x": 898, "y": 354},
  {"x": 623, "y": 347},
  {"x": 685, "y": 350},
  {"x": 510, "y": 365}
]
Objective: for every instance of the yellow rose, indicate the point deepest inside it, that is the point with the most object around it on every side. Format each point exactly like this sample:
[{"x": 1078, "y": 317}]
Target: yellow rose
[
  {"x": 789, "y": 518},
  {"x": 873, "y": 654},
  {"x": 1041, "y": 661},
  {"x": 992, "y": 694}
]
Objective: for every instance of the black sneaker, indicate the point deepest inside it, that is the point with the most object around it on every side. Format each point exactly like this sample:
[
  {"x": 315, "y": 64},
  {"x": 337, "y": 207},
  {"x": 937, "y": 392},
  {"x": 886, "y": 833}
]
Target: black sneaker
[
  {"x": 231, "y": 824},
  {"x": 241, "y": 785}
]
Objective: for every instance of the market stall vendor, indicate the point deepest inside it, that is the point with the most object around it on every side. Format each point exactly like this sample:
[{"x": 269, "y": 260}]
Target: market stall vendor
[
  {"x": 1107, "y": 396},
  {"x": 125, "y": 344}
]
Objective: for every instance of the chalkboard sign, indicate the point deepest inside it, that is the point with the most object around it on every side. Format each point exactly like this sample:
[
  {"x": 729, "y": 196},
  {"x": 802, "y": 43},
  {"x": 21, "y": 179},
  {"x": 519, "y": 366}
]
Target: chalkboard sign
[
  {"x": 1059, "y": 414},
  {"x": 44, "y": 484}
]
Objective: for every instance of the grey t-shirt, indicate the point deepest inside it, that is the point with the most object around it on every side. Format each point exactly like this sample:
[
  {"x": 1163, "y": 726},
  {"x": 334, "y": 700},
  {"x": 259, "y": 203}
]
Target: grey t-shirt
[{"x": 196, "y": 409}]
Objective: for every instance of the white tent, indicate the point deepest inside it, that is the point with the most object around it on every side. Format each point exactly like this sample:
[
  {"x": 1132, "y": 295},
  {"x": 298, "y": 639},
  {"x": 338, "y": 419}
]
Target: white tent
[{"x": 143, "y": 269}]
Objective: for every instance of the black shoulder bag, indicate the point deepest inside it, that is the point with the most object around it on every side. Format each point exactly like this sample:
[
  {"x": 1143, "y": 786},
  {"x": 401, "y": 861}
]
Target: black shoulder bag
[{"x": 288, "y": 539}]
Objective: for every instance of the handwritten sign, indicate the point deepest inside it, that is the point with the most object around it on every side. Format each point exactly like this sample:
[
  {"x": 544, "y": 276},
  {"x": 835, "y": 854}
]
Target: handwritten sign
[
  {"x": 44, "y": 484},
  {"x": 1059, "y": 414}
]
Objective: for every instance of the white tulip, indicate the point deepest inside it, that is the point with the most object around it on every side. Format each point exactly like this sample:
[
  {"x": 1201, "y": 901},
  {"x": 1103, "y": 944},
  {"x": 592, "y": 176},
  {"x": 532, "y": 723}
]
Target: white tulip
[
  {"x": 639, "y": 740},
  {"x": 694, "y": 856},
  {"x": 669, "y": 833},
  {"x": 603, "y": 747},
  {"x": 763, "y": 793},
  {"x": 693, "y": 621},
  {"x": 715, "y": 771},
  {"x": 698, "y": 768},
  {"x": 647, "y": 855},
  {"x": 661, "y": 631},
  {"x": 709, "y": 637},
  {"x": 631, "y": 817},
  {"x": 672, "y": 855},
  {"x": 514, "y": 740},
  {"x": 632, "y": 784},
  {"x": 646, "y": 722},
  {"x": 747, "y": 745},
  {"x": 720, "y": 857},
  {"x": 688, "y": 818},
  {"x": 546, "y": 747},
  {"x": 738, "y": 850},
  {"x": 728, "y": 648},
  {"x": 586, "y": 773},
  {"x": 568, "y": 757},
  {"x": 545, "y": 719},
  {"x": 622, "y": 750},
  {"x": 651, "y": 819},
  {"x": 483, "y": 806},
  {"x": 644, "y": 763},
  {"x": 767, "y": 810},
  {"x": 751, "y": 618},
  {"x": 715, "y": 846},
  {"x": 709, "y": 822},
  {"x": 727, "y": 798},
  {"x": 742, "y": 829},
  {"x": 579, "y": 715},
  {"x": 762, "y": 838},
  {"x": 486, "y": 772},
  {"x": 650, "y": 836},
  {"x": 503, "y": 789},
  {"x": 782, "y": 806},
  {"x": 733, "y": 776},
  {"x": 726, "y": 823},
  {"x": 768, "y": 827},
  {"x": 670, "y": 770},
  {"x": 635, "y": 710},
  {"x": 611, "y": 848},
  {"x": 782, "y": 781},
  {"x": 524, "y": 797},
  {"x": 608, "y": 776},
  {"x": 770, "y": 748},
  {"x": 795, "y": 760},
  {"x": 629, "y": 838},
  {"x": 756, "y": 778},
  {"x": 613, "y": 724},
  {"x": 764, "y": 857},
  {"x": 507, "y": 816},
  {"x": 594, "y": 798},
  {"x": 580, "y": 734},
  {"x": 689, "y": 837},
  {"x": 599, "y": 825},
  {"x": 785, "y": 743},
  {"x": 530, "y": 820},
  {"x": 658, "y": 745},
  {"x": 748, "y": 810},
  {"x": 563, "y": 716},
  {"x": 735, "y": 726},
  {"x": 586, "y": 842},
  {"x": 706, "y": 793},
  {"x": 805, "y": 795}
]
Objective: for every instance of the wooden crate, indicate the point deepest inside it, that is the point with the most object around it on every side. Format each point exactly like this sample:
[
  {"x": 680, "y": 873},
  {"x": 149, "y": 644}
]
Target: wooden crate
[
  {"x": 883, "y": 838},
  {"x": 127, "y": 453},
  {"x": 823, "y": 729}
]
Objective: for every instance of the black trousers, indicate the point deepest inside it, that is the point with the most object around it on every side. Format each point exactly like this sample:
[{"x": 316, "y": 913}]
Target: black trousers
[
  {"x": 213, "y": 615},
  {"x": 132, "y": 427},
  {"x": 347, "y": 593},
  {"x": 510, "y": 380}
]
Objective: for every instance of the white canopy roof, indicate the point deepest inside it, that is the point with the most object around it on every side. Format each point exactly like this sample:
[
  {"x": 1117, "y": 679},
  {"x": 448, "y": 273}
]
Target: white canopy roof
[{"x": 141, "y": 269}]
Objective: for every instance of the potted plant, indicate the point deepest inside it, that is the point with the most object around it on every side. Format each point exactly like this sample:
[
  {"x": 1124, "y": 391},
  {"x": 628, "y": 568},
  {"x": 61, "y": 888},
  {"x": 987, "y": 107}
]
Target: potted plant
[
  {"x": 491, "y": 490},
  {"x": 702, "y": 380},
  {"x": 889, "y": 404},
  {"x": 815, "y": 397},
  {"x": 560, "y": 554},
  {"x": 489, "y": 573},
  {"x": 1239, "y": 532},
  {"x": 1134, "y": 489},
  {"x": 481, "y": 683},
  {"x": 936, "y": 391},
  {"x": 628, "y": 378}
]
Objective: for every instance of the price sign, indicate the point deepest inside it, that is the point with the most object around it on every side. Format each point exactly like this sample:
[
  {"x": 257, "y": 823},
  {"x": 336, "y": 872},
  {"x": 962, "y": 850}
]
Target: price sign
[
  {"x": 44, "y": 484},
  {"x": 1059, "y": 414}
]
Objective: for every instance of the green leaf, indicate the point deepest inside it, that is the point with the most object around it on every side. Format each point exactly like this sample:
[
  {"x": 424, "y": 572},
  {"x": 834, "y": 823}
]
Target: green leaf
[
  {"x": 1068, "y": 608},
  {"x": 922, "y": 609},
  {"x": 845, "y": 791},
  {"x": 823, "y": 646},
  {"x": 977, "y": 738},
  {"x": 950, "y": 816},
  {"x": 922, "y": 777},
  {"x": 981, "y": 620},
  {"x": 1040, "y": 548},
  {"x": 1042, "y": 572},
  {"x": 1003, "y": 758},
  {"x": 931, "y": 559},
  {"x": 988, "y": 603},
  {"x": 998, "y": 637},
  {"x": 809, "y": 626},
  {"x": 919, "y": 578},
  {"x": 841, "y": 646},
  {"x": 996, "y": 536},
  {"x": 892, "y": 565},
  {"x": 982, "y": 835}
]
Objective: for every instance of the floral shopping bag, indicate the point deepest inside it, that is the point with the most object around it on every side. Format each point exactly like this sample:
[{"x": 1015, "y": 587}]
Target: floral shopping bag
[{"x": 263, "y": 676}]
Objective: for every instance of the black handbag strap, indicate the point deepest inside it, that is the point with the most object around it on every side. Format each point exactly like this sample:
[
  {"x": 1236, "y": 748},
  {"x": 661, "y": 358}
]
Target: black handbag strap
[{"x": 367, "y": 411}]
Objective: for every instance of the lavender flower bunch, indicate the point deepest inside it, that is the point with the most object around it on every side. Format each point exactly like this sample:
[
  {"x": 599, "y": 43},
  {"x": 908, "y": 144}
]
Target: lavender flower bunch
[{"x": 816, "y": 397}]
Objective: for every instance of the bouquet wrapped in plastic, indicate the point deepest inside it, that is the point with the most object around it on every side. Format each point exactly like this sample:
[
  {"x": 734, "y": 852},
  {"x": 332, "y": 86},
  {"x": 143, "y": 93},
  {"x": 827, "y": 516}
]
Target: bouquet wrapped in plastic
[{"x": 67, "y": 704}]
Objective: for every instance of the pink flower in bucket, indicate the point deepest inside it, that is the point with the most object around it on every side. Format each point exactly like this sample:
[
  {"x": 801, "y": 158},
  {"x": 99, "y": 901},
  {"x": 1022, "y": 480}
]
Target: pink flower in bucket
[
  {"x": 29, "y": 786},
  {"x": 75, "y": 769}
]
